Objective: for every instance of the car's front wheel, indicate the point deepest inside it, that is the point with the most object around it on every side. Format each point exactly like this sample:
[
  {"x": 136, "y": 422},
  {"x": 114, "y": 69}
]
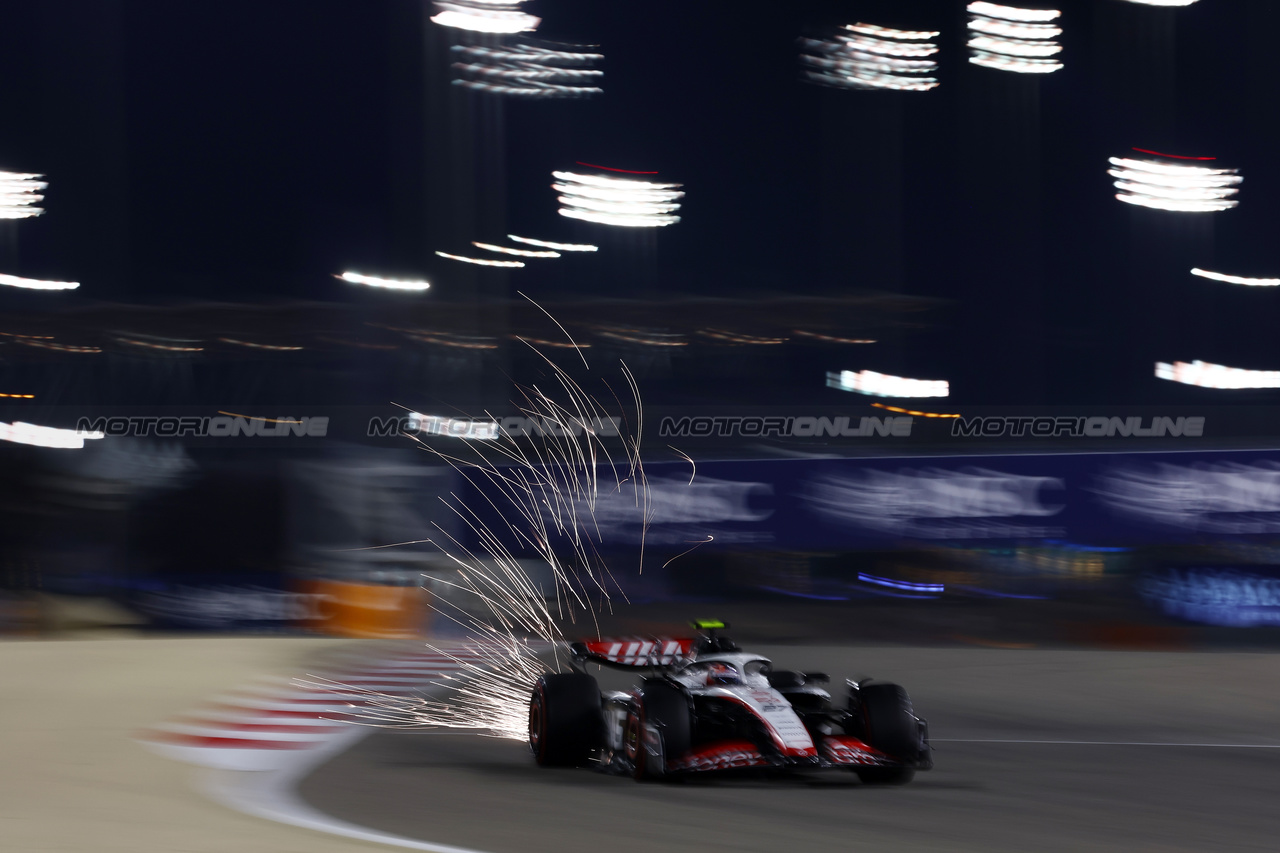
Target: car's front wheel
[
  {"x": 883, "y": 718},
  {"x": 665, "y": 708}
]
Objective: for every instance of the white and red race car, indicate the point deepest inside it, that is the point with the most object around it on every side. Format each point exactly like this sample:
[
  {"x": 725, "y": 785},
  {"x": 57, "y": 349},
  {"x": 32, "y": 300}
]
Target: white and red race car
[{"x": 704, "y": 705}]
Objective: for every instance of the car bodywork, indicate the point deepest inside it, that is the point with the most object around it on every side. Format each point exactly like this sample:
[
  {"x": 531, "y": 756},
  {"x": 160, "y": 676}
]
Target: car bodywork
[{"x": 703, "y": 705}]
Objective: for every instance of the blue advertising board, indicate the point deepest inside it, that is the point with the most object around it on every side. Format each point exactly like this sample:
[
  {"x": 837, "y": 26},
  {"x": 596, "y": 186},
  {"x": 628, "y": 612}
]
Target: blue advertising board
[
  {"x": 883, "y": 502},
  {"x": 1230, "y": 596}
]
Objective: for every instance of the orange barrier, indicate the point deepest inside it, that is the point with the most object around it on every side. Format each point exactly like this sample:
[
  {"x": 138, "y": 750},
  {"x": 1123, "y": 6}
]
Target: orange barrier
[{"x": 368, "y": 611}]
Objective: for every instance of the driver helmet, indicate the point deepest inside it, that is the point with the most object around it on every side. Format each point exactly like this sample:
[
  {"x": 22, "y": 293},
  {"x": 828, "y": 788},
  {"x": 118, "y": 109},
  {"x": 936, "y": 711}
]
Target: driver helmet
[{"x": 722, "y": 673}]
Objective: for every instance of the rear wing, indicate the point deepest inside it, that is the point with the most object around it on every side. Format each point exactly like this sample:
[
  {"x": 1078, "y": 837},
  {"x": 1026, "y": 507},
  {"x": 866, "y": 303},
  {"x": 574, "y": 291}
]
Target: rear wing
[{"x": 632, "y": 652}]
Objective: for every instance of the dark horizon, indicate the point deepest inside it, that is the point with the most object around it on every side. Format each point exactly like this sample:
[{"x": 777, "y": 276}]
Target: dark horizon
[{"x": 247, "y": 152}]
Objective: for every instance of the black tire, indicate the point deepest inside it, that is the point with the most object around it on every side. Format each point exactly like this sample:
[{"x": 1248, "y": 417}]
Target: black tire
[
  {"x": 666, "y": 707},
  {"x": 884, "y": 719},
  {"x": 885, "y": 775},
  {"x": 566, "y": 723}
]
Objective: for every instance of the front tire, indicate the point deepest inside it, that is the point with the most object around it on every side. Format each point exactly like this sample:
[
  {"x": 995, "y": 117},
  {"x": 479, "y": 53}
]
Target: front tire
[
  {"x": 884, "y": 719},
  {"x": 666, "y": 708},
  {"x": 885, "y": 775},
  {"x": 566, "y": 723}
]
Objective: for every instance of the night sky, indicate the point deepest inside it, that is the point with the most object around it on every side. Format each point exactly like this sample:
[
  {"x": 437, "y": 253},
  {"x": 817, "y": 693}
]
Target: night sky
[{"x": 247, "y": 150}]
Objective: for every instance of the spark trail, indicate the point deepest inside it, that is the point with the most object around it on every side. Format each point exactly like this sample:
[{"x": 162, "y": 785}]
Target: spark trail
[{"x": 533, "y": 499}]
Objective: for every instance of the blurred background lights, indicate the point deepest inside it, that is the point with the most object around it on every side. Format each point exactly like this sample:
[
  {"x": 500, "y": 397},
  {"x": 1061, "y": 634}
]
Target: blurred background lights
[
  {"x": 1012, "y": 39},
  {"x": 559, "y": 247},
  {"x": 482, "y": 430},
  {"x": 484, "y": 16},
  {"x": 523, "y": 253},
  {"x": 35, "y": 284},
  {"x": 1236, "y": 279},
  {"x": 19, "y": 193},
  {"x": 527, "y": 70},
  {"x": 57, "y": 347},
  {"x": 161, "y": 344},
  {"x": 866, "y": 56},
  {"x": 1208, "y": 375},
  {"x": 617, "y": 201},
  {"x": 726, "y": 336},
  {"x": 830, "y": 339},
  {"x": 42, "y": 436},
  {"x": 255, "y": 345},
  {"x": 883, "y": 385},
  {"x": 1011, "y": 13},
  {"x": 387, "y": 283},
  {"x": 1162, "y": 2},
  {"x": 913, "y": 412},
  {"x": 482, "y": 262},
  {"x": 1174, "y": 186},
  {"x": 643, "y": 337}
]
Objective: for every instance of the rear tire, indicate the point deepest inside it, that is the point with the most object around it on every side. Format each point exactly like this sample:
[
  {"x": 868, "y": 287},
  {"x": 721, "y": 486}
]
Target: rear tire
[
  {"x": 566, "y": 723},
  {"x": 666, "y": 708},
  {"x": 884, "y": 719}
]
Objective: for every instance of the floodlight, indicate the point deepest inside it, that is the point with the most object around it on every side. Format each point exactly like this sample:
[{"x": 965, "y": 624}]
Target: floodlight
[
  {"x": 1207, "y": 375},
  {"x": 617, "y": 201},
  {"x": 866, "y": 56},
  {"x": 1008, "y": 38},
  {"x": 1180, "y": 187},
  {"x": 884, "y": 385}
]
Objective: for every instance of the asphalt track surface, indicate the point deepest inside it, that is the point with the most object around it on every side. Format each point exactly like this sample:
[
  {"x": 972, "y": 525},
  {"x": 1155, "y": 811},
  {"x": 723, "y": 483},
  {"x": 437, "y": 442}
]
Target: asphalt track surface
[{"x": 1035, "y": 751}]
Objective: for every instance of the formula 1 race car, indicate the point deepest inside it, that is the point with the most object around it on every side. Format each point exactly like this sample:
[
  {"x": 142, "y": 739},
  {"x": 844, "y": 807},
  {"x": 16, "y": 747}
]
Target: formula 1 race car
[{"x": 704, "y": 705}]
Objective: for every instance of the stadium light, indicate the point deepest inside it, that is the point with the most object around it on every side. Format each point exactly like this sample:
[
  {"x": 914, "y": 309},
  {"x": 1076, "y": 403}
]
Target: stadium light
[
  {"x": 1208, "y": 375},
  {"x": 1236, "y": 279},
  {"x": 559, "y": 247},
  {"x": 42, "y": 436},
  {"x": 883, "y": 385},
  {"x": 866, "y": 56},
  {"x": 19, "y": 193},
  {"x": 527, "y": 70},
  {"x": 481, "y": 262},
  {"x": 1174, "y": 186},
  {"x": 484, "y": 16},
  {"x": 35, "y": 284},
  {"x": 387, "y": 283},
  {"x": 507, "y": 250},
  {"x": 454, "y": 427},
  {"x": 1008, "y": 38},
  {"x": 617, "y": 201}
]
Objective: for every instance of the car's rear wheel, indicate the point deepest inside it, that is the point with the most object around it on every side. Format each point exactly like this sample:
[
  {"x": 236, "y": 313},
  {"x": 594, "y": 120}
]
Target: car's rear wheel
[
  {"x": 884, "y": 719},
  {"x": 666, "y": 708},
  {"x": 565, "y": 720}
]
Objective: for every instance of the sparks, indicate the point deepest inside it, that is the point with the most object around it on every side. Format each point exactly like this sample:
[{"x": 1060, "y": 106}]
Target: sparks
[{"x": 545, "y": 488}]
